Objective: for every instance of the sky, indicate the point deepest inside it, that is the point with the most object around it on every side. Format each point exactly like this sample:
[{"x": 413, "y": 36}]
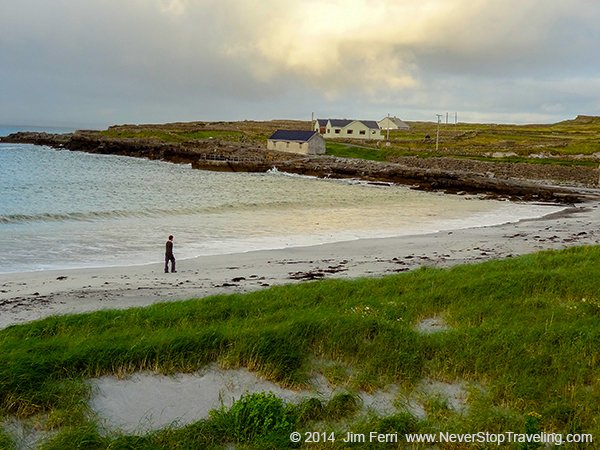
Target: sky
[{"x": 101, "y": 62}]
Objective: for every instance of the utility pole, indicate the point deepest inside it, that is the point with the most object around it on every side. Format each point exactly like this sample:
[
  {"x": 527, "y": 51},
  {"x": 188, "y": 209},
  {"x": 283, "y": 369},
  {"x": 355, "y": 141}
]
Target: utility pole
[
  {"x": 388, "y": 129},
  {"x": 437, "y": 138}
]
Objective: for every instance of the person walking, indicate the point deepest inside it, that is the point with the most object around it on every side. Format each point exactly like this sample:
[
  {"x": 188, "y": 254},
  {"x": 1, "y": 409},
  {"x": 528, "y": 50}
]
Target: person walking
[{"x": 169, "y": 255}]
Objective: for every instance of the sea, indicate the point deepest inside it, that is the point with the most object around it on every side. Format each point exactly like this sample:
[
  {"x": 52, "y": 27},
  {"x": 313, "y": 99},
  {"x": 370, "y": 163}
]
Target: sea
[{"x": 63, "y": 209}]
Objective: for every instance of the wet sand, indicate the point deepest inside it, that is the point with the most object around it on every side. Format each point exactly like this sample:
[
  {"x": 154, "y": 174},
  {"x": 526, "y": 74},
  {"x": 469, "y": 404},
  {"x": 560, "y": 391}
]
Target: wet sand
[{"x": 29, "y": 296}]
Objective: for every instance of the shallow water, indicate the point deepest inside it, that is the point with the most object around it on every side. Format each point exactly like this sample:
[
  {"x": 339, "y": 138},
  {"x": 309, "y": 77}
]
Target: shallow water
[{"x": 64, "y": 209}]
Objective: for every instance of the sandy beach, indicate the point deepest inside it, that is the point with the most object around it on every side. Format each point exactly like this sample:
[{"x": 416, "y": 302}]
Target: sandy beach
[{"x": 30, "y": 296}]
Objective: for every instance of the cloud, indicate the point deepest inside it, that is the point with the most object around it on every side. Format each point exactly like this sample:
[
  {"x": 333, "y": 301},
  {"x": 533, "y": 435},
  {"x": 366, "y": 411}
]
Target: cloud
[
  {"x": 451, "y": 54},
  {"x": 161, "y": 59},
  {"x": 392, "y": 42},
  {"x": 332, "y": 45},
  {"x": 175, "y": 7}
]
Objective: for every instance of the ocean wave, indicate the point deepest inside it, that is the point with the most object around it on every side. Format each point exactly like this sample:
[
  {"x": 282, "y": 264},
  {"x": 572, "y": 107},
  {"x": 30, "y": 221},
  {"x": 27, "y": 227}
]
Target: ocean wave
[
  {"x": 93, "y": 216},
  {"x": 61, "y": 217},
  {"x": 276, "y": 171}
]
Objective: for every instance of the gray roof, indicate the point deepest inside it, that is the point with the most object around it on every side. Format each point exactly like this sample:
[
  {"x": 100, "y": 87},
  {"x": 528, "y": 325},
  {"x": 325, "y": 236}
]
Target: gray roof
[
  {"x": 399, "y": 122},
  {"x": 292, "y": 135},
  {"x": 370, "y": 124},
  {"x": 341, "y": 123}
]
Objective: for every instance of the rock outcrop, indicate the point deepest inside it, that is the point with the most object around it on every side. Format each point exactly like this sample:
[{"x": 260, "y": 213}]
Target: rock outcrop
[{"x": 445, "y": 174}]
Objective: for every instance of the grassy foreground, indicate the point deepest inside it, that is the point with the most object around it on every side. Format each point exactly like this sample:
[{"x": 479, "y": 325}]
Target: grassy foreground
[{"x": 523, "y": 334}]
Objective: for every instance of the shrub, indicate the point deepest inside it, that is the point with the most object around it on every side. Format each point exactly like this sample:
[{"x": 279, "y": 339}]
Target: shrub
[{"x": 259, "y": 416}]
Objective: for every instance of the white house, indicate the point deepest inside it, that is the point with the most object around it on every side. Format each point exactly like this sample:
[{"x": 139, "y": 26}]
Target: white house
[
  {"x": 393, "y": 123},
  {"x": 297, "y": 141},
  {"x": 348, "y": 129}
]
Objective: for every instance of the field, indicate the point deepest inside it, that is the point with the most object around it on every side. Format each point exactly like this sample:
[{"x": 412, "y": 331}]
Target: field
[
  {"x": 520, "y": 335},
  {"x": 575, "y": 142},
  {"x": 571, "y": 142}
]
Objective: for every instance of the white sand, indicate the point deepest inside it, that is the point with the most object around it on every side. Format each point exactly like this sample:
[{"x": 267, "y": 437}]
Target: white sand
[
  {"x": 149, "y": 401},
  {"x": 29, "y": 296}
]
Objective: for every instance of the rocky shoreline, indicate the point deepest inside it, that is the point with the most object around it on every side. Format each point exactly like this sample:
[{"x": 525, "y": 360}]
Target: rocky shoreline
[{"x": 528, "y": 182}]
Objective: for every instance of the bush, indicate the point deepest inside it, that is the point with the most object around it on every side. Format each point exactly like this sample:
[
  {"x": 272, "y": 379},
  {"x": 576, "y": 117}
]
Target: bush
[{"x": 259, "y": 416}]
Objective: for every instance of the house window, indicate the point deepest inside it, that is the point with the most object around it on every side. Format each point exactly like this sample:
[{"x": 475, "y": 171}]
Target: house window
[
  {"x": 349, "y": 131},
  {"x": 337, "y": 131},
  {"x": 361, "y": 132},
  {"x": 372, "y": 131}
]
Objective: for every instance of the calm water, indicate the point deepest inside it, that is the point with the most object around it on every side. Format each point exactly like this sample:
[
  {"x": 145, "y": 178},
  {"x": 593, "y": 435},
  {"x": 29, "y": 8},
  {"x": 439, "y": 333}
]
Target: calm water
[{"x": 61, "y": 209}]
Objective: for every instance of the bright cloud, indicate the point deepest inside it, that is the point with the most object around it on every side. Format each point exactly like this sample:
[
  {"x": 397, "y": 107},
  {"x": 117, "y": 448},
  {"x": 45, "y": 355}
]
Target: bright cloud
[
  {"x": 377, "y": 46},
  {"x": 175, "y": 7}
]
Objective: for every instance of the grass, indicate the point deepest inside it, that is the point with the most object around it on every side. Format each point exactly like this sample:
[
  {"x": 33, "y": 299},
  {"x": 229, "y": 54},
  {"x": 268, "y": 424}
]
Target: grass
[
  {"x": 253, "y": 132},
  {"x": 524, "y": 335},
  {"x": 561, "y": 141},
  {"x": 5, "y": 441},
  {"x": 344, "y": 150},
  {"x": 347, "y": 150},
  {"x": 173, "y": 136}
]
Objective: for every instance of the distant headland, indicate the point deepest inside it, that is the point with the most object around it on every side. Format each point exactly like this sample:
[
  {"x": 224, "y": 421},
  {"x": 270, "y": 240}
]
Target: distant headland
[{"x": 556, "y": 163}]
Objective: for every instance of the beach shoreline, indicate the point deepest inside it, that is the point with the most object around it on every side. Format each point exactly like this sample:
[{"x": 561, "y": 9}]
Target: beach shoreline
[
  {"x": 29, "y": 296},
  {"x": 525, "y": 182}
]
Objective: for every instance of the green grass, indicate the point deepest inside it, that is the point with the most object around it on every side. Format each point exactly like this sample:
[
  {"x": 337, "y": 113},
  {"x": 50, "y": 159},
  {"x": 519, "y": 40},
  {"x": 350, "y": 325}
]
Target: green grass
[
  {"x": 562, "y": 141},
  {"x": 524, "y": 335},
  {"x": 5, "y": 441},
  {"x": 173, "y": 136},
  {"x": 347, "y": 150},
  {"x": 343, "y": 150}
]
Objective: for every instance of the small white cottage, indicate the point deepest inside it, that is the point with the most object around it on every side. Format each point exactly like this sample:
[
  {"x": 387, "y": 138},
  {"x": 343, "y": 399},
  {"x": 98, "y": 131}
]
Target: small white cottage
[
  {"x": 297, "y": 141},
  {"x": 393, "y": 123}
]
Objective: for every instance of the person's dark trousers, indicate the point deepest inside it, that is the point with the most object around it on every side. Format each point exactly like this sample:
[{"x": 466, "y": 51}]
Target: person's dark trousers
[{"x": 167, "y": 259}]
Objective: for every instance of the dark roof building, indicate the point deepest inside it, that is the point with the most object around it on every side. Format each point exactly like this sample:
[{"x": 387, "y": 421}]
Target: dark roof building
[
  {"x": 292, "y": 135},
  {"x": 340, "y": 122},
  {"x": 297, "y": 141},
  {"x": 372, "y": 124}
]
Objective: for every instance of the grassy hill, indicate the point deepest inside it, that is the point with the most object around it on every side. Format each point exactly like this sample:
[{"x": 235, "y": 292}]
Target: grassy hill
[
  {"x": 522, "y": 335},
  {"x": 571, "y": 142}
]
